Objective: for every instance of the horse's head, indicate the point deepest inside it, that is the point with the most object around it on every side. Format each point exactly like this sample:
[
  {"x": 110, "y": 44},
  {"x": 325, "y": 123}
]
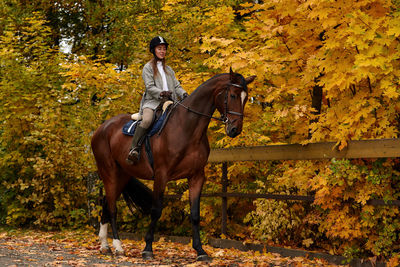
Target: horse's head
[{"x": 230, "y": 100}]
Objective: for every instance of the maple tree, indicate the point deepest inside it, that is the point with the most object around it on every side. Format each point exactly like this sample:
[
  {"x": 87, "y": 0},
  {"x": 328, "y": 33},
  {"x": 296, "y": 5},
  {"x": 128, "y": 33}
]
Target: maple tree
[
  {"x": 38, "y": 152},
  {"x": 347, "y": 60}
]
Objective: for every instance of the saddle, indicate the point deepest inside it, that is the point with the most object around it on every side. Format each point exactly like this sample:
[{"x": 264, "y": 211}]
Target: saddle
[{"x": 161, "y": 116}]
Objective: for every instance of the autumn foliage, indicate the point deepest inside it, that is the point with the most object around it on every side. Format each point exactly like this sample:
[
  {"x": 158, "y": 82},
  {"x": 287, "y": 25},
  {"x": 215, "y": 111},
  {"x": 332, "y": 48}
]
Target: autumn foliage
[{"x": 326, "y": 71}]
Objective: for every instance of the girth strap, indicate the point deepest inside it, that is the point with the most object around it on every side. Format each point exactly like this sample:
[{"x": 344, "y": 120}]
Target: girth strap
[{"x": 149, "y": 154}]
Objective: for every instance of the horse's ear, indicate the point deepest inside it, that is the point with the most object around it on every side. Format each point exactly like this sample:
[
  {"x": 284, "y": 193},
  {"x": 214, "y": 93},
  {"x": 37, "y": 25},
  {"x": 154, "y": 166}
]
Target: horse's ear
[
  {"x": 231, "y": 74},
  {"x": 250, "y": 79}
]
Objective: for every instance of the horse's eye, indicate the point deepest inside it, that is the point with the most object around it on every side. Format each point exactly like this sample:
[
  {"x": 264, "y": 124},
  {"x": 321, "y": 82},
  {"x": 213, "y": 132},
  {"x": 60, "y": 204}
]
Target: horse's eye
[{"x": 233, "y": 96}]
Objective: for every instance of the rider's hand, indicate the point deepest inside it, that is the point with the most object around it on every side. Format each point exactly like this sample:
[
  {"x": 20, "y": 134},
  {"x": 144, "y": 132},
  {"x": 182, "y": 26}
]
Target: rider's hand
[
  {"x": 185, "y": 95},
  {"x": 165, "y": 94}
]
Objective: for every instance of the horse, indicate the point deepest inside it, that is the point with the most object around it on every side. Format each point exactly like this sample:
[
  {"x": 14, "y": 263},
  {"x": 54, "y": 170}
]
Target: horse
[{"x": 180, "y": 151}]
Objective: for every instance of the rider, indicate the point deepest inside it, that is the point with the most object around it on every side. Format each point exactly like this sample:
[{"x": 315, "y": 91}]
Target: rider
[{"x": 160, "y": 83}]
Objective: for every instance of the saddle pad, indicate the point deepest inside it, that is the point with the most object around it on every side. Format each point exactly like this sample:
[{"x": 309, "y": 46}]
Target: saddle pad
[{"x": 130, "y": 126}]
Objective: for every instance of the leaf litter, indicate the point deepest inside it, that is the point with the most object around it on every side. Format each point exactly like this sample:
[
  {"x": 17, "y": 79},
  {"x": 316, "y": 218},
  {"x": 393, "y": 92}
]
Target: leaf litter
[{"x": 81, "y": 248}]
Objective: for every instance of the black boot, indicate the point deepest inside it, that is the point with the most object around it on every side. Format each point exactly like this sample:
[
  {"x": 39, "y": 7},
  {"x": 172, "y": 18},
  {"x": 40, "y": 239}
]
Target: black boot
[{"x": 134, "y": 153}]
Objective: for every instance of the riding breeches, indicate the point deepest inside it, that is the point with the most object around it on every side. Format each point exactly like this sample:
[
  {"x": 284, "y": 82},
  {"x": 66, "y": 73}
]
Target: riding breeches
[{"x": 147, "y": 118}]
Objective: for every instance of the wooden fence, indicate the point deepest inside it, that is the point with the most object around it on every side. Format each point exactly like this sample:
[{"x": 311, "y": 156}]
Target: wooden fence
[{"x": 384, "y": 148}]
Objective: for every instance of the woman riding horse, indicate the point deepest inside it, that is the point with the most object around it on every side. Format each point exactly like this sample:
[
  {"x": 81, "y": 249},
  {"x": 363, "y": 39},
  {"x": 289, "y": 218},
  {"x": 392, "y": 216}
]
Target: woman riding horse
[{"x": 160, "y": 82}]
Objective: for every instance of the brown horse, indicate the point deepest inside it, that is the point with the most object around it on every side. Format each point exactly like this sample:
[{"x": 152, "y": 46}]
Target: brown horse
[{"x": 180, "y": 151}]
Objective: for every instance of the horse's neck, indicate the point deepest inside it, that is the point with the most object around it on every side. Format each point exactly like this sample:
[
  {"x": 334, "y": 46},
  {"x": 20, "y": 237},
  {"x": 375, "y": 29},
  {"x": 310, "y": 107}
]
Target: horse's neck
[{"x": 200, "y": 101}]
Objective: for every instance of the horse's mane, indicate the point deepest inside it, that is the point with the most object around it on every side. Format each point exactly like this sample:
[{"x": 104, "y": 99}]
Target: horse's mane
[{"x": 207, "y": 82}]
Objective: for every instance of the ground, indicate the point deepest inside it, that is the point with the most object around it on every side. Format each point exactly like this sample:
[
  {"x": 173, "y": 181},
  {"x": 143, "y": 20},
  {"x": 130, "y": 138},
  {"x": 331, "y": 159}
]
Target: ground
[{"x": 81, "y": 248}]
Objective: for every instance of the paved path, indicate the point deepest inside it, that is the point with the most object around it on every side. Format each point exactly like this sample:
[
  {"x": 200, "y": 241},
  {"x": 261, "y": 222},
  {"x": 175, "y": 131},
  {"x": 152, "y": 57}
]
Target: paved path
[{"x": 24, "y": 253}]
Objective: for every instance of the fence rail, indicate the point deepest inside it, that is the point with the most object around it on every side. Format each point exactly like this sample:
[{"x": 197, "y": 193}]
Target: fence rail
[
  {"x": 382, "y": 148},
  {"x": 373, "y": 202}
]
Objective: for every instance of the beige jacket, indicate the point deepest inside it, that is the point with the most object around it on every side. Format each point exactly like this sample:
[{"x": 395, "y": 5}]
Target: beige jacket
[{"x": 153, "y": 87}]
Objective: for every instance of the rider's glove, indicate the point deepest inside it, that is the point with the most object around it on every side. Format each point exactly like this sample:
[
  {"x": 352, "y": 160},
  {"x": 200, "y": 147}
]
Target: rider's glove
[{"x": 165, "y": 94}]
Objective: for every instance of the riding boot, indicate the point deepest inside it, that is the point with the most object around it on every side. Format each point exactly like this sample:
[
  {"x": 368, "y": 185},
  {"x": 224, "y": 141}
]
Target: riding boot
[{"x": 134, "y": 153}]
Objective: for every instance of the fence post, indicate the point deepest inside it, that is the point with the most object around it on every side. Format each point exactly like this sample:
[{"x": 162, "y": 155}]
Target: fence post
[{"x": 224, "y": 182}]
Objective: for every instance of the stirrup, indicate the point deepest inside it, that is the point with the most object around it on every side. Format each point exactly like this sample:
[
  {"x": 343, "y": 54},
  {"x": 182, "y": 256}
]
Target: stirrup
[{"x": 133, "y": 156}]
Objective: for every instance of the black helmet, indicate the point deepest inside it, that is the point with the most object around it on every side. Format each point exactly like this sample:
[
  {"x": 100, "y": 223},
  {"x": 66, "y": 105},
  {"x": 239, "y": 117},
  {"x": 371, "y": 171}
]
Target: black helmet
[{"x": 157, "y": 41}]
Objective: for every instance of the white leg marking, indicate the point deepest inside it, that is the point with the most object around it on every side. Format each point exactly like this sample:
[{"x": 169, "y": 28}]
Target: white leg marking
[
  {"x": 117, "y": 244},
  {"x": 243, "y": 96},
  {"x": 103, "y": 236}
]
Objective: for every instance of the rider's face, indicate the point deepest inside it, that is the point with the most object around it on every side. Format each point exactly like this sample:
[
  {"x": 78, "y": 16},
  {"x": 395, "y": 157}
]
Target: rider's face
[{"x": 161, "y": 51}]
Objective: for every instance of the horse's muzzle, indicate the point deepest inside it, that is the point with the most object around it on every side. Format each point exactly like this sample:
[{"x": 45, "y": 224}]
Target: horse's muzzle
[{"x": 232, "y": 131}]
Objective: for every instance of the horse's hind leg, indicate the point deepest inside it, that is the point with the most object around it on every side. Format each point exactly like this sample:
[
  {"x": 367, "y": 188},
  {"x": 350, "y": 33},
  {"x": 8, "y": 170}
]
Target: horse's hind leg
[
  {"x": 105, "y": 220},
  {"x": 113, "y": 185}
]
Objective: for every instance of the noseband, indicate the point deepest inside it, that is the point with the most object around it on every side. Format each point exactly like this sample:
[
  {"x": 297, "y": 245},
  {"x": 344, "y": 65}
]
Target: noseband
[{"x": 224, "y": 117}]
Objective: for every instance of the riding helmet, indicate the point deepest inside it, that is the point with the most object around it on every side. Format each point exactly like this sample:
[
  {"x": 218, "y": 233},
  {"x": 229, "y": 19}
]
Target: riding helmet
[{"x": 158, "y": 40}]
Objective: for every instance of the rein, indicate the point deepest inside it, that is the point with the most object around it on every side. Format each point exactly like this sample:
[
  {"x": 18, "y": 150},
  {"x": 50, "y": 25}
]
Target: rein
[{"x": 223, "y": 117}]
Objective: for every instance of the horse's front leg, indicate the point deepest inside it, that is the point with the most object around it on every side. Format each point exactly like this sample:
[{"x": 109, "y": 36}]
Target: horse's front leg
[
  {"x": 156, "y": 211},
  {"x": 195, "y": 186}
]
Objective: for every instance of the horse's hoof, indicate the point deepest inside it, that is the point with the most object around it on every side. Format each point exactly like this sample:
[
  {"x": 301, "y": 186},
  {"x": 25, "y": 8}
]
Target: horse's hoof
[
  {"x": 204, "y": 257},
  {"x": 147, "y": 255},
  {"x": 119, "y": 253},
  {"x": 106, "y": 251}
]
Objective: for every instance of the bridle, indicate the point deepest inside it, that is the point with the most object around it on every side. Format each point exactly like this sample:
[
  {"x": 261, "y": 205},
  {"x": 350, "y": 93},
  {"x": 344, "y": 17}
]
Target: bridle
[{"x": 224, "y": 117}]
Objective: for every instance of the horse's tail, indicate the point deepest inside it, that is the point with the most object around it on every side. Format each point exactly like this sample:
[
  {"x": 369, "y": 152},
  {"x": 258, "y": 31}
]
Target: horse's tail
[{"x": 138, "y": 196}]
